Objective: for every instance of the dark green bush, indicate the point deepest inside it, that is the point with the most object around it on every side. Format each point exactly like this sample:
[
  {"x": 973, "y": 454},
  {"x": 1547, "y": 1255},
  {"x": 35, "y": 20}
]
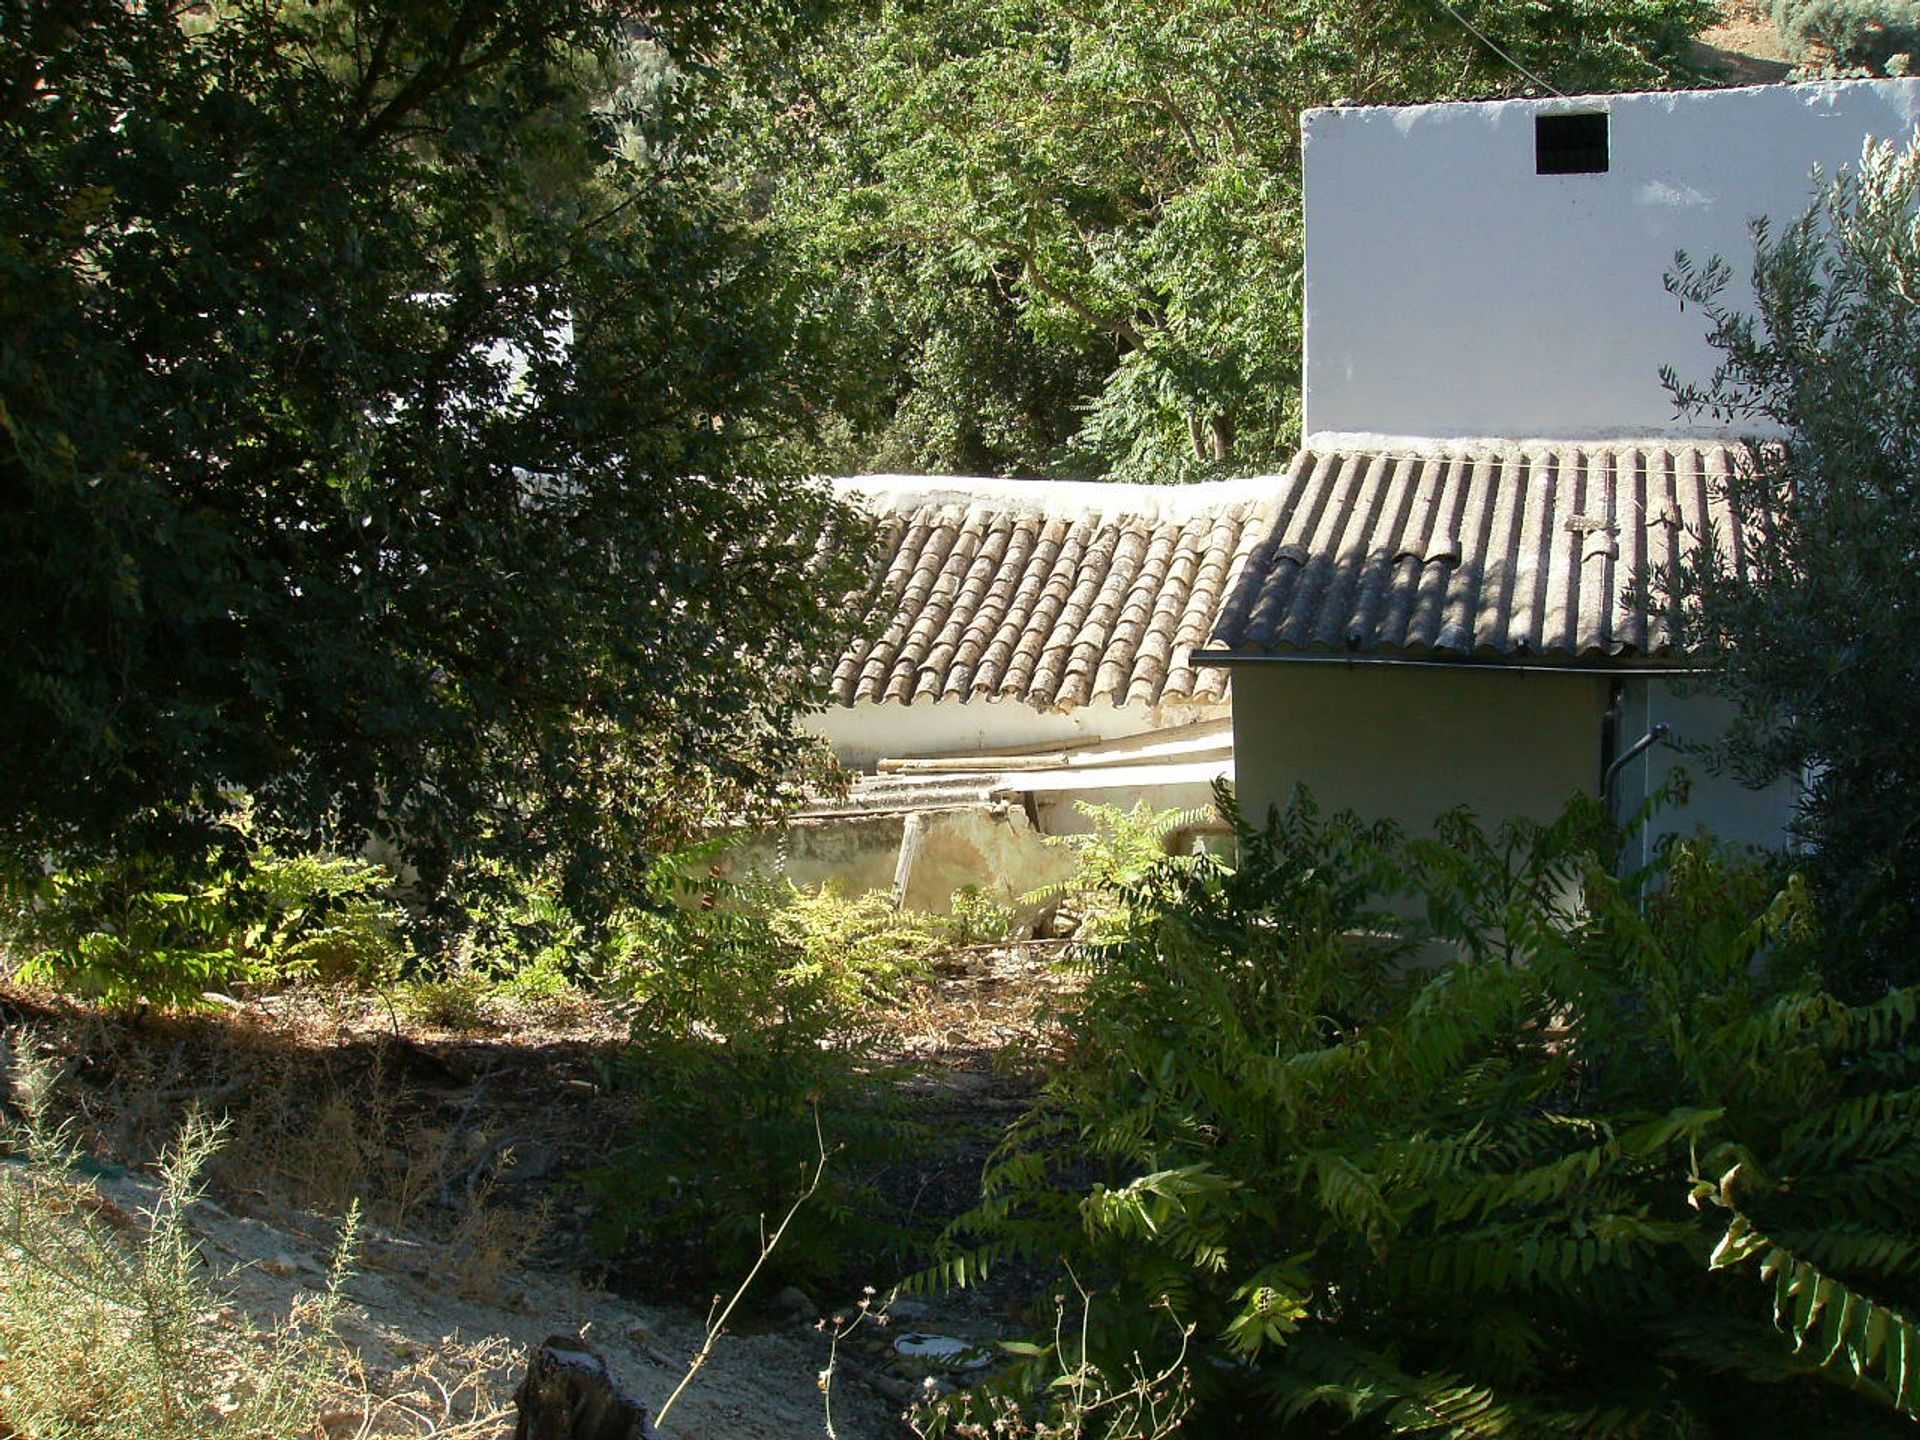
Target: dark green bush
[
  {"x": 1850, "y": 34},
  {"x": 1465, "y": 1136}
]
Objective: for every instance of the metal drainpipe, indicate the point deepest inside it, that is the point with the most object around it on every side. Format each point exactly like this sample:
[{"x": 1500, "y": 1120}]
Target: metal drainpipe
[
  {"x": 1626, "y": 757},
  {"x": 1633, "y": 752}
]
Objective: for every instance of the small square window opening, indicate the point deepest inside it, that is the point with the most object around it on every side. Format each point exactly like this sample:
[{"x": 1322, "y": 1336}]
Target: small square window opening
[{"x": 1570, "y": 144}]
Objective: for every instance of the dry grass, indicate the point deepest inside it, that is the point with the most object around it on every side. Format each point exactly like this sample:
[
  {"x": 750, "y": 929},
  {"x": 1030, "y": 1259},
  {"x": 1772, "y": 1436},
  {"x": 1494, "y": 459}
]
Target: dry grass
[
  {"x": 112, "y": 1323},
  {"x": 458, "y": 1391},
  {"x": 321, "y": 1110},
  {"x": 457, "y": 1143},
  {"x": 108, "y": 1326}
]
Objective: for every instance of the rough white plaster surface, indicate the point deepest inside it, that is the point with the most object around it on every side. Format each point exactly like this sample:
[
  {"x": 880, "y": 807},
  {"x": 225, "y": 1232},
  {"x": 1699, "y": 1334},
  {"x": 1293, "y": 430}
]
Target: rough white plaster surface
[
  {"x": 1453, "y": 291},
  {"x": 1072, "y": 498},
  {"x": 864, "y": 734}
]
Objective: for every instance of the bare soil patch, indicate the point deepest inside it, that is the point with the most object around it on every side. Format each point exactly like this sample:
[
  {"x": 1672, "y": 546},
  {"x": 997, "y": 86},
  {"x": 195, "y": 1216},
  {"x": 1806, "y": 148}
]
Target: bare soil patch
[
  {"x": 1745, "y": 45},
  {"x": 464, "y": 1148}
]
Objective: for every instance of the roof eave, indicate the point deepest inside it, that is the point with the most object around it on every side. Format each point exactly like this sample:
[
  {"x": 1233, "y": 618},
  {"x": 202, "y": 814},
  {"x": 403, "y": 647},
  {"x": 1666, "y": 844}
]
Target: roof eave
[{"x": 1505, "y": 663}]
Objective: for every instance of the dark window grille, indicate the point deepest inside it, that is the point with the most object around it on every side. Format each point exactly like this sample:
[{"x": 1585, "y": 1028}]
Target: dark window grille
[{"x": 1570, "y": 144}]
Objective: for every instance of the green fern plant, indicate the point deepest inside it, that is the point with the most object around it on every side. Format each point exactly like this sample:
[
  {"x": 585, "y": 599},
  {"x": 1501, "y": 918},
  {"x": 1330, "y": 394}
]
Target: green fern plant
[
  {"x": 1118, "y": 850},
  {"x": 752, "y": 1015},
  {"x": 1407, "y": 1130},
  {"x": 164, "y": 929}
]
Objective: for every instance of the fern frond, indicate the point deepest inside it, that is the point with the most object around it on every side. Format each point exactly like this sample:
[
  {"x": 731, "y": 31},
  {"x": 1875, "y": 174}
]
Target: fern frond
[
  {"x": 1548, "y": 1183},
  {"x": 1869, "y": 1188},
  {"x": 1854, "y": 1247},
  {"x": 1504, "y": 1259},
  {"x": 1323, "y": 1372},
  {"x": 1420, "y": 1162},
  {"x": 1348, "y": 1194},
  {"x": 1851, "y": 1337},
  {"x": 1870, "y": 1124},
  {"x": 964, "y": 1268}
]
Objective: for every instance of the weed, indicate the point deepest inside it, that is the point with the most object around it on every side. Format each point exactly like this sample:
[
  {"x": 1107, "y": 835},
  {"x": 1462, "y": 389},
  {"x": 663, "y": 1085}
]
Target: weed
[
  {"x": 1120, "y": 848},
  {"x": 863, "y": 946},
  {"x": 458, "y": 1001},
  {"x": 489, "y": 1242},
  {"x": 1059, "y": 1393},
  {"x": 977, "y": 918},
  {"x": 148, "y": 927},
  {"x": 106, "y": 1324}
]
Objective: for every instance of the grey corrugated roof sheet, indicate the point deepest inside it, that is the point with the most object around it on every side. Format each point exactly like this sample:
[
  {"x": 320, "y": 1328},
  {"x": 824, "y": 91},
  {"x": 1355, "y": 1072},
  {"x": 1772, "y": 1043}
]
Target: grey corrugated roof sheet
[
  {"x": 1062, "y": 594},
  {"x": 1497, "y": 550},
  {"x": 1059, "y": 594}
]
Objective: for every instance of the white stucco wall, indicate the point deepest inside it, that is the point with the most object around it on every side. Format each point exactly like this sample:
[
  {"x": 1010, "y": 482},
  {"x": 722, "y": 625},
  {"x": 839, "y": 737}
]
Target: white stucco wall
[
  {"x": 1451, "y": 290},
  {"x": 1410, "y": 743},
  {"x": 862, "y": 734},
  {"x": 1718, "y": 803}
]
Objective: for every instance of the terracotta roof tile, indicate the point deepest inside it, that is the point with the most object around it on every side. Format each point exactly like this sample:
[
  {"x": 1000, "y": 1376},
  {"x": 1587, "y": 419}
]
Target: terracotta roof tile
[
  {"x": 1063, "y": 594},
  {"x": 1057, "y": 594}
]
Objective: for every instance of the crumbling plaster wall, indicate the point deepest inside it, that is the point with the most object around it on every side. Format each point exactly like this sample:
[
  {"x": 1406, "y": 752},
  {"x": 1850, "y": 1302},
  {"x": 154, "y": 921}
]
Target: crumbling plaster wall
[{"x": 992, "y": 847}]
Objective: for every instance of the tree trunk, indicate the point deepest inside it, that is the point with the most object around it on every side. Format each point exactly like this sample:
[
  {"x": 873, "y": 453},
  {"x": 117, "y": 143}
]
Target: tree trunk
[
  {"x": 568, "y": 1394},
  {"x": 1212, "y": 437},
  {"x": 1220, "y": 432}
]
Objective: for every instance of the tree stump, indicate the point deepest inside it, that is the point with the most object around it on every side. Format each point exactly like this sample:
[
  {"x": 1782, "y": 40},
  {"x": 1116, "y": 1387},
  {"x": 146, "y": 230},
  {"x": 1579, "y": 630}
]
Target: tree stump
[{"x": 568, "y": 1394}]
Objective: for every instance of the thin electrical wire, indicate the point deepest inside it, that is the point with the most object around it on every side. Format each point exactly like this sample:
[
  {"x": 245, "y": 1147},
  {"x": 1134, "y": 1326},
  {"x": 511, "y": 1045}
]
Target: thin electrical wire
[{"x": 1487, "y": 40}]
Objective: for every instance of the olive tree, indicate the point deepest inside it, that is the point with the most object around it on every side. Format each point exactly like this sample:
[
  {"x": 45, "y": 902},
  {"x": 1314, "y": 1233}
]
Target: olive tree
[{"x": 1813, "y": 633}]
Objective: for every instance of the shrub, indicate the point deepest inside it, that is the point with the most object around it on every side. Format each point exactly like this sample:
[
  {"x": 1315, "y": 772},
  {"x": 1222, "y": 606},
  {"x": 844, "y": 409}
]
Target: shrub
[
  {"x": 1463, "y": 1136},
  {"x": 1851, "y": 34},
  {"x": 862, "y": 945},
  {"x": 149, "y": 927},
  {"x": 455, "y": 1001},
  {"x": 1119, "y": 848},
  {"x": 107, "y": 1322},
  {"x": 752, "y": 1039},
  {"x": 517, "y": 925},
  {"x": 1808, "y": 634},
  {"x": 977, "y": 918}
]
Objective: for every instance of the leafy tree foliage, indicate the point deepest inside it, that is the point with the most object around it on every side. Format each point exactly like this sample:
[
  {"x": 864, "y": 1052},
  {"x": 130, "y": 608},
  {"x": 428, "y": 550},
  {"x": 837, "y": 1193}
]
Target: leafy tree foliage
[
  {"x": 1877, "y": 36},
  {"x": 1812, "y": 633},
  {"x": 384, "y": 394},
  {"x": 1067, "y": 237},
  {"x": 1466, "y": 1137}
]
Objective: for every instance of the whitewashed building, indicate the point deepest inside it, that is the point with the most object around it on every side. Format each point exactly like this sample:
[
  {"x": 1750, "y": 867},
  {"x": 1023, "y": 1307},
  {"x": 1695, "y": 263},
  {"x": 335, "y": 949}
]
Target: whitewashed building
[
  {"x": 1452, "y": 605},
  {"x": 1444, "y": 599}
]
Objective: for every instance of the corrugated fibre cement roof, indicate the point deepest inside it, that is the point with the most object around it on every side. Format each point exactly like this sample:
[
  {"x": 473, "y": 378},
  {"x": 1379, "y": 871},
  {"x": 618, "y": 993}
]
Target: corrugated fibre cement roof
[{"x": 1500, "y": 550}]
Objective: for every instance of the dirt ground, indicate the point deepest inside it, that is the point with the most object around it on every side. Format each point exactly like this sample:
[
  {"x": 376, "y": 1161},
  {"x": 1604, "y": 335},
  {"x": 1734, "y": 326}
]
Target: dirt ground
[
  {"x": 1746, "y": 45},
  {"x": 464, "y": 1148}
]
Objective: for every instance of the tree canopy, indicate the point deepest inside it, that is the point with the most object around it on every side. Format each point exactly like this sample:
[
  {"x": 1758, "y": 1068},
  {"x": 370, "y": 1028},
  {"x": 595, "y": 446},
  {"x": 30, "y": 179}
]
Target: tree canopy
[
  {"x": 385, "y": 403},
  {"x": 1812, "y": 632},
  {"x": 1067, "y": 238}
]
